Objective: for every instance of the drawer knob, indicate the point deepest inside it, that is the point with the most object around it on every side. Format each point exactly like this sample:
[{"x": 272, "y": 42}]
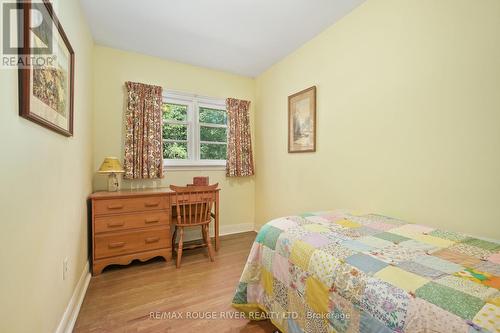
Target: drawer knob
[
  {"x": 152, "y": 204},
  {"x": 116, "y": 245},
  {"x": 152, "y": 221},
  {"x": 118, "y": 206},
  {"x": 152, "y": 240},
  {"x": 116, "y": 224}
]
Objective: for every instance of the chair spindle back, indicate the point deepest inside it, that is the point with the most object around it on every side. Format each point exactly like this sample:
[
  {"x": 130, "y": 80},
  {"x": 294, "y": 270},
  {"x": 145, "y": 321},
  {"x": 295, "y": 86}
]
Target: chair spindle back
[{"x": 194, "y": 204}]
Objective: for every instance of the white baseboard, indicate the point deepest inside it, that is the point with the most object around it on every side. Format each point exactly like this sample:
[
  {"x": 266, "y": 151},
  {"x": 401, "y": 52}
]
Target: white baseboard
[
  {"x": 195, "y": 233},
  {"x": 71, "y": 313}
]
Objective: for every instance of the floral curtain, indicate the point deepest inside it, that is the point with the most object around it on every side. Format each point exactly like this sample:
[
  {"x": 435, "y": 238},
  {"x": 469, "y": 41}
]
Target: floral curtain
[
  {"x": 239, "y": 146},
  {"x": 143, "y": 137}
]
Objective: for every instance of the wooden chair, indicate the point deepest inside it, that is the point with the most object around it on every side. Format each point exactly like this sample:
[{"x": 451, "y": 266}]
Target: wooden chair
[{"x": 194, "y": 208}]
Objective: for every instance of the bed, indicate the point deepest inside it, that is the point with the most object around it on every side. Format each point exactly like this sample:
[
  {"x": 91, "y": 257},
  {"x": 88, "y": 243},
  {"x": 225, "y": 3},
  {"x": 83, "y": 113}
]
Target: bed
[{"x": 344, "y": 272}]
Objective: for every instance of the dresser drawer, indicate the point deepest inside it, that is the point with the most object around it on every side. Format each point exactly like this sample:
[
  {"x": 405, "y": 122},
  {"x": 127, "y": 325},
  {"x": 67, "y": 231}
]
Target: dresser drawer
[
  {"x": 131, "y": 221},
  {"x": 114, "y": 206},
  {"x": 110, "y": 245}
]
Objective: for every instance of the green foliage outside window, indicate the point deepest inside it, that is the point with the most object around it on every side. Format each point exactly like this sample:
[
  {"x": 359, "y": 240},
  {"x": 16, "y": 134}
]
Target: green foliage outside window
[
  {"x": 213, "y": 116},
  {"x": 175, "y": 150},
  {"x": 175, "y": 136},
  {"x": 174, "y": 112},
  {"x": 215, "y": 134},
  {"x": 211, "y": 151}
]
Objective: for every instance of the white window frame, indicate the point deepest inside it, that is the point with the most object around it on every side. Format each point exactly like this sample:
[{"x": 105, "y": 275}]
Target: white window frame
[{"x": 194, "y": 102}]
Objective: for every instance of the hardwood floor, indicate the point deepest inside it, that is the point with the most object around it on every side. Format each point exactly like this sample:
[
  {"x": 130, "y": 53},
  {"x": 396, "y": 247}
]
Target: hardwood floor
[{"x": 127, "y": 299}]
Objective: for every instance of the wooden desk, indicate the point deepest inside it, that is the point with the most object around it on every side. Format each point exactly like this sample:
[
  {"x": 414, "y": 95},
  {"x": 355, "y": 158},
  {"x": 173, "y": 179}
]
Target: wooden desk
[{"x": 134, "y": 224}]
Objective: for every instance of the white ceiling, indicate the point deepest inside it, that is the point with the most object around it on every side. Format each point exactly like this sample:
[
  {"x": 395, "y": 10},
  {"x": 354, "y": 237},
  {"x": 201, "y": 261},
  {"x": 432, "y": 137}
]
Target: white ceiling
[{"x": 239, "y": 36}]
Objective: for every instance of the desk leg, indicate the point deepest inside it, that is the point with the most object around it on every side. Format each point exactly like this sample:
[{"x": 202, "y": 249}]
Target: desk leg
[{"x": 217, "y": 221}]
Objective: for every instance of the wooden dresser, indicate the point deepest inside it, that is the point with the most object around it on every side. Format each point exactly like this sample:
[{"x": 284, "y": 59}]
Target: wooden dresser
[{"x": 130, "y": 225}]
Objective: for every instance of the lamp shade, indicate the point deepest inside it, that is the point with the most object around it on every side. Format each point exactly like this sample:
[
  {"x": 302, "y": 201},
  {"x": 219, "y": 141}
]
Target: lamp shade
[{"x": 111, "y": 165}]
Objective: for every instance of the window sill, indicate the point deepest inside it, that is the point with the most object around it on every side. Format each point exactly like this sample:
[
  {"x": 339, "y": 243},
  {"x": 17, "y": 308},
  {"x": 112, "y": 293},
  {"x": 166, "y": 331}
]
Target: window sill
[{"x": 194, "y": 168}]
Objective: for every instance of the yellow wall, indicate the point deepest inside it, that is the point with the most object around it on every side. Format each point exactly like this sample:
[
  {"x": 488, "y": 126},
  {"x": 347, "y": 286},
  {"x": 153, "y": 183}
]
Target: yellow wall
[
  {"x": 113, "y": 68},
  {"x": 408, "y": 117},
  {"x": 44, "y": 181}
]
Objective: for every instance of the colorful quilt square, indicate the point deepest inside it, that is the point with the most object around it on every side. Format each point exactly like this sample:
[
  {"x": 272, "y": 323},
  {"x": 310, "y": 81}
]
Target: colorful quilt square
[
  {"x": 294, "y": 327},
  {"x": 435, "y": 241},
  {"x": 298, "y": 279},
  {"x": 283, "y": 245},
  {"x": 438, "y": 264},
  {"x": 262, "y": 233},
  {"x": 337, "y": 251},
  {"x": 488, "y": 267},
  {"x": 348, "y": 224},
  {"x": 315, "y": 322},
  {"x": 254, "y": 293},
  {"x": 401, "y": 278},
  {"x": 301, "y": 254},
  {"x": 283, "y": 224},
  {"x": 418, "y": 246},
  {"x": 349, "y": 282},
  {"x": 471, "y": 250},
  {"x": 251, "y": 273},
  {"x": 271, "y": 237},
  {"x": 317, "y": 295},
  {"x": 367, "y": 264},
  {"x": 494, "y": 258},
  {"x": 452, "y": 300},
  {"x": 380, "y": 226},
  {"x": 424, "y": 271},
  {"x": 457, "y": 257},
  {"x": 368, "y": 324},
  {"x": 386, "y": 303},
  {"x": 343, "y": 316},
  {"x": 406, "y": 231},
  {"x": 488, "y": 317},
  {"x": 280, "y": 291},
  {"x": 483, "y": 244},
  {"x": 423, "y": 316},
  {"x": 267, "y": 258},
  {"x": 255, "y": 253},
  {"x": 314, "y": 227},
  {"x": 374, "y": 242},
  {"x": 316, "y": 240},
  {"x": 296, "y": 306},
  {"x": 281, "y": 268},
  {"x": 357, "y": 246},
  {"x": 394, "y": 254},
  {"x": 240, "y": 297},
  {"x": 450, "y": 235},
  {"x": 266, "y": 280},
  {"x": 468, "y": 287},
  {"x": 322, "y": 265},
  {"x": 482, "y": 278},
  {"x": 367, "y": 231},
  {"x": 388, "y": 236}
]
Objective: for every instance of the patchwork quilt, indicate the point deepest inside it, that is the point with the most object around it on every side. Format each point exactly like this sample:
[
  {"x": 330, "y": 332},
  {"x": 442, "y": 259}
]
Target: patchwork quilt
[{"x": 342, "y": 272}]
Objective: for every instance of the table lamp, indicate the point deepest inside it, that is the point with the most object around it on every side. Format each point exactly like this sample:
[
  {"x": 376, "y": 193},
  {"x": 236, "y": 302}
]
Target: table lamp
[{"x": 111, "y": 166}]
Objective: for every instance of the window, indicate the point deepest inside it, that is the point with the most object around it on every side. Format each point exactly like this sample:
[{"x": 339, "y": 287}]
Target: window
[{"x": 194, "y": 130}]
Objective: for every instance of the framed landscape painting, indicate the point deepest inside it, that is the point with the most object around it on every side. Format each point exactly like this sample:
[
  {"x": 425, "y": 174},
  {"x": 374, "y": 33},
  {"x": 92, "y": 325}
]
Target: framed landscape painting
[
  {"x": 46, "y": 79},
  {"x": 302, "y": 121}
]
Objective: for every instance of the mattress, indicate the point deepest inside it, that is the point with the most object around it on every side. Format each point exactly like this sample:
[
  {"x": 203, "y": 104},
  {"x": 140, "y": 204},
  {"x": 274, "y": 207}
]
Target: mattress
[{"x": 344, "y": 272}]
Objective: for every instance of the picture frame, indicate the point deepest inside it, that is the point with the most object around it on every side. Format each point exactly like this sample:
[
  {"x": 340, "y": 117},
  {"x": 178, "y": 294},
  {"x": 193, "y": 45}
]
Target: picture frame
[
  {"x": 46, "y": 92},
  {"x": 302, "y": 121}
]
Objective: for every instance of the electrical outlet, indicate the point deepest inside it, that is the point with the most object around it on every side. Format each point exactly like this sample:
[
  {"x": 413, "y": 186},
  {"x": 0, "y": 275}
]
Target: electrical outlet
[{"x": 65, "y": 268}]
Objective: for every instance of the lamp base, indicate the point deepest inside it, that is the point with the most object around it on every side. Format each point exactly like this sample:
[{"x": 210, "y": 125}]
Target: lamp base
[{"x": 113, "y": 184}]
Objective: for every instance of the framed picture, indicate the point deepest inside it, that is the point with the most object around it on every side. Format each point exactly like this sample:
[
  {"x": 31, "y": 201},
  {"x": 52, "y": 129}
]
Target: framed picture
[
  {"x": 46, "y": 78},
  {"x": 302, "y": 121}
]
